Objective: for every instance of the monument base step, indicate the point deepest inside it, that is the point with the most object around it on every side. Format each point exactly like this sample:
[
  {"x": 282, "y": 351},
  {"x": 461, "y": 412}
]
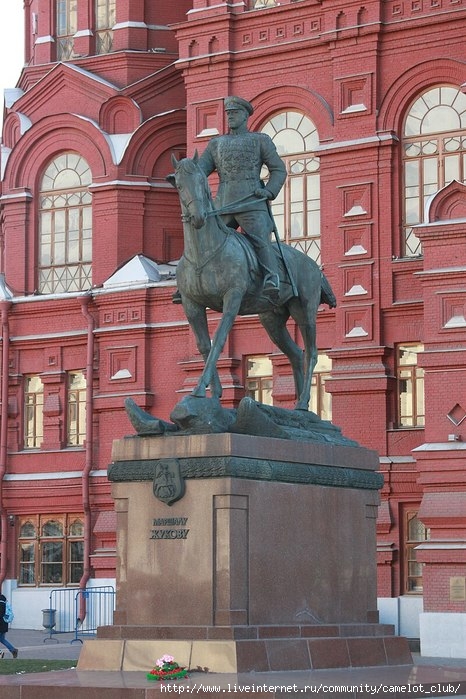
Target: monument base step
[{"x": 246, "y": 649}]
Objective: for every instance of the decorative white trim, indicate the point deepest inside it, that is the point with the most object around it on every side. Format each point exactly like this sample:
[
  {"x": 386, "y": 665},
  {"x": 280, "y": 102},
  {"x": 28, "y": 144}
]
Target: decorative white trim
[
  {"x": 456, "y": 322},
  {"x": 129, "y": 25},
  {"x": 354, "y": 108},
  {"x": 83, "y": 32},
  {"x": 118, "y": 144},
  {"x": 144, "y": 326},
  {"x": 213, "y": 7},
  {"x": 356, "y": 290},
  {"x": 119, "y": 183},
  {"x": 208, "y": 132},
  {"x": 440, "y": 270},
  {"x": 357, "y": 331},
  {"x": 441, "y": 446},
  {"x": 441, "y": 546},
  {"x": 11, "y": 95},
  {"x": 131, "y": 183},
  {"x": 91, "y": 76},
  {"x": 357, "y": 142},
  {"x": 60, "y": 475},
  {"x": 356, "y": 250},
  {"x": 122, "y": 374},
  {"x": 356, "y": 210},
  {"x": 6, "y": 152},
  {"x": 16, "y": 195},
  {"x": 44, "y": 40},
  {"x": 47, "y": 336}
]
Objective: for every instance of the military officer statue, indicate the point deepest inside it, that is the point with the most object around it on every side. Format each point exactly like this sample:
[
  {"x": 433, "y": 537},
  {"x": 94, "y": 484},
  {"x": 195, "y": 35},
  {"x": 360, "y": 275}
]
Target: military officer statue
[{"x": 238, "y": 158}]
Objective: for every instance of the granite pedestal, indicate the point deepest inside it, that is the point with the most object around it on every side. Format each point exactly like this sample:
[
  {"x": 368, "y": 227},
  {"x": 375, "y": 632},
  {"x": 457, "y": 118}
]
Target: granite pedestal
[{"x": 267, "y": 562}]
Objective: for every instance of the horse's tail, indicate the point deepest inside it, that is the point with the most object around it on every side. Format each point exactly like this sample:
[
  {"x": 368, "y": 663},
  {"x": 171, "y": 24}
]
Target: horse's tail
[{"x": 326, "y": 294}]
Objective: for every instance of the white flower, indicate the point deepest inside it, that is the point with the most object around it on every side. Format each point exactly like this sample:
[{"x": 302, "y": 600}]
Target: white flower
[{"x": 164, "y": 659}]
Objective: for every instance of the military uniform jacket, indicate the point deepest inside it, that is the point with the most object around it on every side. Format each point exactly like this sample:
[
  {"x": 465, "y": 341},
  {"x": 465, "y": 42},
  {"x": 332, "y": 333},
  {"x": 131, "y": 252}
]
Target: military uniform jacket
[{"x": 238, "y": 160}]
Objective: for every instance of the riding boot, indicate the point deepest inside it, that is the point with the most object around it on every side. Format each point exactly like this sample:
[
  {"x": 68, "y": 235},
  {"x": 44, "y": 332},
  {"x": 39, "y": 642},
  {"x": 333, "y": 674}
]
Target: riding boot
[{"x": 268, "y": 262}]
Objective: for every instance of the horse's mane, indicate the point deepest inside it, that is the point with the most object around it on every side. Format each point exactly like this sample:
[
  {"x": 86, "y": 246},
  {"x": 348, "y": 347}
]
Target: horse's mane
[{"x": 189, "y": 166}]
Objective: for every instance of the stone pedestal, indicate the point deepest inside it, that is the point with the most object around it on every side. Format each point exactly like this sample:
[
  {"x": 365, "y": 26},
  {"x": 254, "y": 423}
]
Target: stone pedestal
[{"x": 267, "y": 562}]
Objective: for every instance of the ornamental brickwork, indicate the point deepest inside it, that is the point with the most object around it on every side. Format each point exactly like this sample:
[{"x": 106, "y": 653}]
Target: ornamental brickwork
[{"x": 383, "y": 87}]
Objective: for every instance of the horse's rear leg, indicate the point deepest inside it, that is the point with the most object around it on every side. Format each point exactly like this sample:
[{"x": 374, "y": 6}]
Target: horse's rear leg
[
  {"x": 308, "y": 332},
  {"x": 275, "y": 324},
  {"x": 197, "y": 318}
]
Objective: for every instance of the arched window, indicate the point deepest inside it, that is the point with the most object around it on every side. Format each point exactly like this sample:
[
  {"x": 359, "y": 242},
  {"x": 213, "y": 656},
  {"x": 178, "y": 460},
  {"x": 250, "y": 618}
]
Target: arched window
[
  {"x": 434, "y": 153},
  {"x": 297, "y": 208},
  {"x": 65, "y": 221}
]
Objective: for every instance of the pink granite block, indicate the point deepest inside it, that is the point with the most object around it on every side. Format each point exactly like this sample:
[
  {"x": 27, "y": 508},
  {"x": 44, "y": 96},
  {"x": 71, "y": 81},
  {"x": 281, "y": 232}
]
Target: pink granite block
[{"x": 328, "y": 653}]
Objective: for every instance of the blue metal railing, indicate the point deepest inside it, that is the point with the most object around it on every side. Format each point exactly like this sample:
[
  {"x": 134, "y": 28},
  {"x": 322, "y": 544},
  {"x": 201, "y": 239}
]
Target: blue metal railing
[
  {"x": 100, "y": 605},
  {"x": 65, "y": 605}
]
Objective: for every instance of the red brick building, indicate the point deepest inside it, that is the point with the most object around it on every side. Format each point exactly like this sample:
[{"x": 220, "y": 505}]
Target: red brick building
[{"x": 367, "y": 106}]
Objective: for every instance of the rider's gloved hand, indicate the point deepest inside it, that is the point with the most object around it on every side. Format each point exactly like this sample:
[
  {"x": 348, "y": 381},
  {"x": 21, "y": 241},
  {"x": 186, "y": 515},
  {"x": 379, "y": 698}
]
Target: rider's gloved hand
[{"x": 263, "y": 193}]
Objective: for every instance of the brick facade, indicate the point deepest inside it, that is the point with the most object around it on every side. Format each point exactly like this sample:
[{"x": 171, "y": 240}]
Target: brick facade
[{"x": 355, "y": 72}]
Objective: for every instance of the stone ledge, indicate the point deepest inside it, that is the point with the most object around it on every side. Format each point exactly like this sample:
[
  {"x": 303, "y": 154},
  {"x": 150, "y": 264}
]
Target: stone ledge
[
  {"x": 140, "y": 448},
  {"x": 256, "y": 469},
  {"x": 247, "y": 655},
  {"x": 250, "y": 632}
]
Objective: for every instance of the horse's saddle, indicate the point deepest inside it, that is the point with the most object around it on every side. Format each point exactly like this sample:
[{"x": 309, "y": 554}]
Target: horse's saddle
[
  {"x": 253, "y": 263},
  {"x": 251, "y": 257}
]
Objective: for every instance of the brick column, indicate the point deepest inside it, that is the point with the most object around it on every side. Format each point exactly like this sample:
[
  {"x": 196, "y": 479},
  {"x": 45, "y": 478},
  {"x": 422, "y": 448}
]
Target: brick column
[{"x": 441, "y": 459}]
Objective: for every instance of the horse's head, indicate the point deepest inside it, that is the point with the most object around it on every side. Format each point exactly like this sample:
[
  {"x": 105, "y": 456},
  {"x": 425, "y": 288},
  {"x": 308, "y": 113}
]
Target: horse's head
[{"x": 193, "y": 190}]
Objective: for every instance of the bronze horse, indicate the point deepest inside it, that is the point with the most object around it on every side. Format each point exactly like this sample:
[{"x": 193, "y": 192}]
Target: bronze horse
[{"x": 219, "y": 270}]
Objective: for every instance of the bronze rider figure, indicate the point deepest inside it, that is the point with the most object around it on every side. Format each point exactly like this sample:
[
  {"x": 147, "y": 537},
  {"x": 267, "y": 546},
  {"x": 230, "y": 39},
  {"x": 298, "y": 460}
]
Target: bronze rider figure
[{"x": 238, "y": 158}]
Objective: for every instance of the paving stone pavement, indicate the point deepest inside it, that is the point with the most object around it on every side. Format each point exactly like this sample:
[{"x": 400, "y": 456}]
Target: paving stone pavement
[{"x": 39, "y": 645}]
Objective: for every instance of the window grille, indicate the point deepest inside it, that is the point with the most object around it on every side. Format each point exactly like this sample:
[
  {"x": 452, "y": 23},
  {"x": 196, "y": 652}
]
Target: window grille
[
  {"x": 65, "y": 235},
  {"x": 51, "y": 550},
  {"x": 296, "y": 209},
  {"x": 434, "y": 153}
]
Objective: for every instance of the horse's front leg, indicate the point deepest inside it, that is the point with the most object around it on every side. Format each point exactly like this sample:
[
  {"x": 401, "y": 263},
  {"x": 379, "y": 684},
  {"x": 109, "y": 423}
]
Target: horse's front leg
[
  {"x": 231, "y": 304},
  {"x": 197, "y": 318}
]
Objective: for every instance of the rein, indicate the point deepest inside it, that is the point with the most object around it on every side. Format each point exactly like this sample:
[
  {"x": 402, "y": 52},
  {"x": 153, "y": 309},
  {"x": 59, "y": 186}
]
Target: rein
[
  {"x": 229, "y": 208},
  {"x": 223, "y": 227},
  {"x": 232, "y": 208}
]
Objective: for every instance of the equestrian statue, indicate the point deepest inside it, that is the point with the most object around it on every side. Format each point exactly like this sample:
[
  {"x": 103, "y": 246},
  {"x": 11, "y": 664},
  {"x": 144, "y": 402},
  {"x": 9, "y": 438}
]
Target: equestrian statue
[{"x": 242, "y": 273}]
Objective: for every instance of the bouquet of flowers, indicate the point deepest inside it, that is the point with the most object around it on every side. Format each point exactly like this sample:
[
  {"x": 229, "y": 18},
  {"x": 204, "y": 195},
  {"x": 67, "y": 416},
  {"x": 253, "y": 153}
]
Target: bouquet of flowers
[{"x": 167, "y": 669}]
